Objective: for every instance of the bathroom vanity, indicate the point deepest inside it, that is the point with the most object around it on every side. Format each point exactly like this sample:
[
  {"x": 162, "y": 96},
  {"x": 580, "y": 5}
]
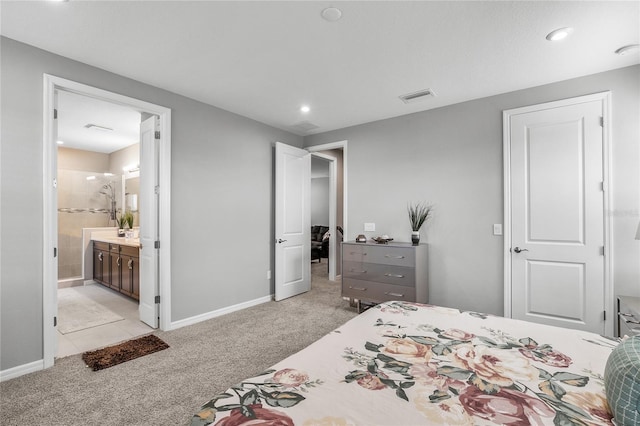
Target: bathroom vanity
[{"x": 116, "y": 263}]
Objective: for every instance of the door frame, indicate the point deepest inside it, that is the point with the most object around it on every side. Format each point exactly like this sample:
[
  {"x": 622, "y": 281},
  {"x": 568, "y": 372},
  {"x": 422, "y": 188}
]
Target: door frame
[
  {"x": 50, "y": 85},
  {"x": 333, "y": 210},
  {"x": 326, "y": 147},
  {"x": 605, "y": 99}
]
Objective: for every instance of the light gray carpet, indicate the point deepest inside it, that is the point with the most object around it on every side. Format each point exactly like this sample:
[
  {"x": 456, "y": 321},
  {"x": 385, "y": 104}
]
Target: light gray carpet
[
  {"x": 78, "y": 312},
  {"x": 168, "y": 387}
]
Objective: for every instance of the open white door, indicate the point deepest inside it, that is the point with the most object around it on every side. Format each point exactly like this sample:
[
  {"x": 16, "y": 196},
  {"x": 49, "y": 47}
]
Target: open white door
[
  {"x": 293, "y": 221},
  {"x": 149, "y": 288}
]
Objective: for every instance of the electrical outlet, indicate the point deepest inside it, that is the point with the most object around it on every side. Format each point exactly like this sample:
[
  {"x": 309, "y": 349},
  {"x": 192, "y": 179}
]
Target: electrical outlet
[
  {"x": 268, "y": 275},
  {"x": 369, "y": 227},
  {"x": 497, "y": 229}
]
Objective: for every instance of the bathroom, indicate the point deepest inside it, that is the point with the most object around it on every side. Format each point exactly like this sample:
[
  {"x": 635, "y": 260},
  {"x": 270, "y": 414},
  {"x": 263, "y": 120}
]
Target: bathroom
[{"x": 98, "y": 182}]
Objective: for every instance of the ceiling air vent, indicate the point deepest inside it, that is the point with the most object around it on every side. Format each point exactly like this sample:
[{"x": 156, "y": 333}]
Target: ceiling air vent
[
  {"x": 417, "y": 96},
  {"x": 304, "y": 126}
]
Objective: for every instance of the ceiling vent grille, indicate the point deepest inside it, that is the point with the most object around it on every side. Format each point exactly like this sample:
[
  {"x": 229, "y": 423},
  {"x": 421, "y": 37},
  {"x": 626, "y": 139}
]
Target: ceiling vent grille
[
  {"x": 304, "y": 126},
  {"x": 417, "y": 96}
]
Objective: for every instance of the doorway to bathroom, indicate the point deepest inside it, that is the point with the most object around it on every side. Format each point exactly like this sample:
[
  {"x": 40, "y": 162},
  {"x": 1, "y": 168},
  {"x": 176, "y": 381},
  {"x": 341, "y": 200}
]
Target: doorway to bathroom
[
  {"x": 98, "y": 187},
  {"x": 87, "y": 191}
]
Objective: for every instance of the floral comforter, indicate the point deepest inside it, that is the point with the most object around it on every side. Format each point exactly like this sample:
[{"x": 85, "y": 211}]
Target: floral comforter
[{"x": 403, "y": 363}]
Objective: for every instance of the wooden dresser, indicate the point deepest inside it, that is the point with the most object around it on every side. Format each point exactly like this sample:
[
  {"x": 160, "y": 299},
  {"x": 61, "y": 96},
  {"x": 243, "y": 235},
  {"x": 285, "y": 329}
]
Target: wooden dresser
[{"x": 381, "y": 272}]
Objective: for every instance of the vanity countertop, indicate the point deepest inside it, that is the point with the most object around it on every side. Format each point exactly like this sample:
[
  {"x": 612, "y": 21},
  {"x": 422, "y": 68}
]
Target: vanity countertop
[{"x": 133, "y": 242}]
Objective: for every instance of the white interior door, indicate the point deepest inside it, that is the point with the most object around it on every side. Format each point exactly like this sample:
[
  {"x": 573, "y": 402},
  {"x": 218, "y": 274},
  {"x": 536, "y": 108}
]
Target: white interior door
[
  {"x": 293, "y": 221},
  {"x": 148, "y": 209},
  {"x": 557, "y": 215}
]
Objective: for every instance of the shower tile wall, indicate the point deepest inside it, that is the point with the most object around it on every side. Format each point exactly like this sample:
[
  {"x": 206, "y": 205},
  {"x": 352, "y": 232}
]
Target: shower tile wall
[{"x": 77, "y": 197}]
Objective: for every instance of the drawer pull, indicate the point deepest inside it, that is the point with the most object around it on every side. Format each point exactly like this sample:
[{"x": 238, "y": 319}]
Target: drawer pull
[
  {"x": 118, "y": 261},
  {"x": 393, "y": 294},
  {"x": 388, "y": 256},
  {"x": 394, "y": 275},
  {"x": 130, "y": 263},
  {"x": 100, "y": 256},
  {"x": 358, "y": 288},
  {"x": 627, "y": 318}
]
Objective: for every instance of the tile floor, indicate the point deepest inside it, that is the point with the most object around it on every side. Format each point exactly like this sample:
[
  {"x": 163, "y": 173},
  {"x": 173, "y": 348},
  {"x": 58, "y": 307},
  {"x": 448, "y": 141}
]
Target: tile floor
[{"x": 108, "y": 334}]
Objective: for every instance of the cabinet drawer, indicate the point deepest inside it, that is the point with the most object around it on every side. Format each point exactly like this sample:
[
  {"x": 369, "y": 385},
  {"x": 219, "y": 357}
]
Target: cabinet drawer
[
  {"x": 629, "y": 318},
  {"x": 389, "y": 274},
  {"x": 352, "y": 253},
  {"x": 99, "y": 245},
  {"x": 129, "y": 251},
  {"x": 389, "y": 255},
  {"x": 375, "y": 292},
  {"x": 114, "y": 248}
]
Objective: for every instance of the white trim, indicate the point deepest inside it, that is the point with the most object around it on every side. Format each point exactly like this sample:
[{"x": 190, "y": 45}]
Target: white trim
[
  {"x": 609, "y": 290},
  {"x": 51, "y": 84},
  {"x": 219, "y": 312},
  {"x": 337, "y": 145},
  {"x": 333, "y": 206},
  {"x": 21, "y": 370}
]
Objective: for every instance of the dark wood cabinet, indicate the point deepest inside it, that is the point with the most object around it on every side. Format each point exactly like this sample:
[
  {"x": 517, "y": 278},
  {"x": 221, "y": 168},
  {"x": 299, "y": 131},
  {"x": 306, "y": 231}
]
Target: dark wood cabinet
[
  {"x": 117, "y": 266},
  {"x": 101, "y": 268},
  {"x": 129, "y": 271},
  {"x": 114, "y": 266}
]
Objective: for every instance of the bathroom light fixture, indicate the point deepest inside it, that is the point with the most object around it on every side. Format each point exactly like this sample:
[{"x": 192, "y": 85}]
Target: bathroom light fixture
[
  {"x": 60, "y": 142},
  {"x": 559, "y": 34},
  {"x": 108, "y": 174},
  {"x": 630, "y": 48},
  {"x": 131, "y": 168},
  {"x": 331, "y": 14},
  {"x": 91, "y": 178},
  {"x": 305, "y": 109},
  {"x": 97, "y": 127}
]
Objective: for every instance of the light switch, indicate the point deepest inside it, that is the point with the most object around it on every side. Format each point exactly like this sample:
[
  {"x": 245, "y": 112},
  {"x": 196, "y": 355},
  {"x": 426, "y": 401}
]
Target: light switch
[
  {"x": 497, "y": 229},
  {"x": 369, "y": 227}
]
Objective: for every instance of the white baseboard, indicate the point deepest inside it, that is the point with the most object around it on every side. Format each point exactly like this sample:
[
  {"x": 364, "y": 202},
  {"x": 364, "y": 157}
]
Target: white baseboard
[
  {"x": 21, "y": 370},
  {"x": 208, "y": 315}
]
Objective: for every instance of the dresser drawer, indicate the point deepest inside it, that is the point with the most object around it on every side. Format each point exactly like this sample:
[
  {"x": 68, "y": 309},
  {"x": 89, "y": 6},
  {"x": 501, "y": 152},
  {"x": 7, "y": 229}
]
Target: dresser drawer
[
  {"x": 389, "y": 274},
  {"x": 389, "y": 255},
  {"x": 629, "y": 316},
  {"x": 352, "y": 253},
  {"x": 375, "y": 292}
]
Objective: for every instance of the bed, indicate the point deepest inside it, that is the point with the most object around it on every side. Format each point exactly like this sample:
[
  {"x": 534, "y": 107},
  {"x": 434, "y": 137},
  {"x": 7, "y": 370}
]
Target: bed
[{"x": 402, "y": 363}]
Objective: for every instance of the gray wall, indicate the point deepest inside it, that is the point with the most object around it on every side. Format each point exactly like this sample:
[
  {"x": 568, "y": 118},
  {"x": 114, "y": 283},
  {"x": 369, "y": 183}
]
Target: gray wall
[
  {"x": 222, "y": 192},
  {"x": 452, "y": 157},
  {"x": 320, "y": 201}
]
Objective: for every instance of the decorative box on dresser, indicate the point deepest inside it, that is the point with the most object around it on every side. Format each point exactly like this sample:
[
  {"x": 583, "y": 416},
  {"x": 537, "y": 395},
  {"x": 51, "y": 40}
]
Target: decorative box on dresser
[
  {"x": 628, "y": 316},
  {"x": 382, "y": 272}
]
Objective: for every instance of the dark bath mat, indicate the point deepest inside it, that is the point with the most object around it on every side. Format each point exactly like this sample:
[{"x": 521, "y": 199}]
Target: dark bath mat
[{"x": 131, "y": 349}]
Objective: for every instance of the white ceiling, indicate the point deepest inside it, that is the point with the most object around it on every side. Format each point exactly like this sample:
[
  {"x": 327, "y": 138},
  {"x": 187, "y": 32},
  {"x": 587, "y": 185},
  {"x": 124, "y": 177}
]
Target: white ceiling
[
  {"x": 265, "y": 59},
  {"x": 75, "y": 112}
]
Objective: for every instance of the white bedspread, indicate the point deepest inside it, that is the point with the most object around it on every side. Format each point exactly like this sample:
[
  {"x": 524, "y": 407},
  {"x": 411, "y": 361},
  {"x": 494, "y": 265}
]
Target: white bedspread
[{"x": 409, "y": 364}]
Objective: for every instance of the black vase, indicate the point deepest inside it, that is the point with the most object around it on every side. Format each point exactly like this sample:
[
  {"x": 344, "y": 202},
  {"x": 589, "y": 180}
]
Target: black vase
[{"x": 415, "y": 237}]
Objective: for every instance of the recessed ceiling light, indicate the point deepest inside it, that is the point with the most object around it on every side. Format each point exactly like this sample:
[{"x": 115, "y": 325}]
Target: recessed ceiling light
[
  {"x": 305, "y": 109},
  {"x": 60, "y": 142},
  {"x": 91, "y": 178},
  {"x": 331, "y": 14},
  {"x": 559, "y": 34},
  {"x": 625, "y": 50}
]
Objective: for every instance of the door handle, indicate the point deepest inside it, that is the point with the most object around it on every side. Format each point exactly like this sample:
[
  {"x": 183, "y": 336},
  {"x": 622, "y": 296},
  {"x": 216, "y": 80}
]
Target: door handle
[
  {"x": 280, "y": 241},
  {"x": 518, "y": 250}
]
